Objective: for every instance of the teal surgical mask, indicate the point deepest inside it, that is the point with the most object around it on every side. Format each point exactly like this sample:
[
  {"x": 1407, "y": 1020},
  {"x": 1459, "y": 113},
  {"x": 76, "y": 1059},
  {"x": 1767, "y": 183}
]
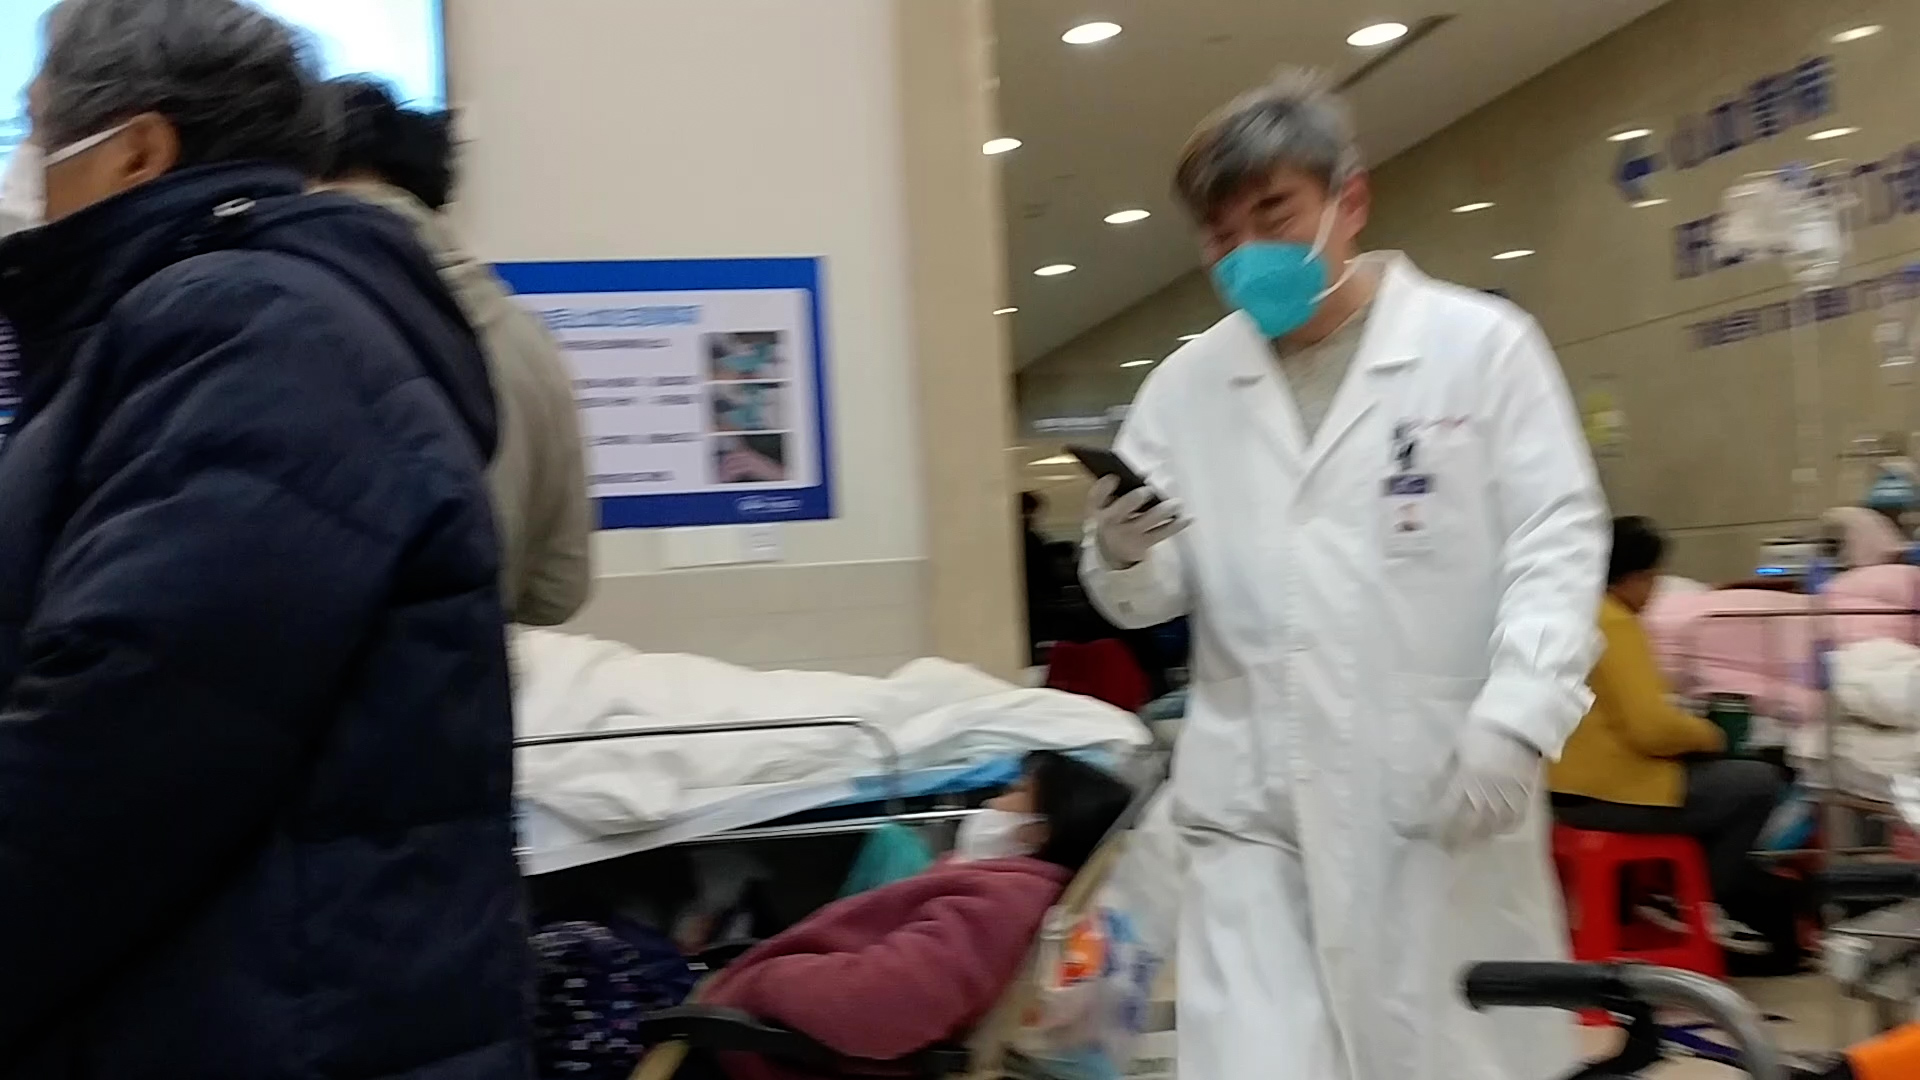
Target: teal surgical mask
[{"x": 1278, "y": 285}]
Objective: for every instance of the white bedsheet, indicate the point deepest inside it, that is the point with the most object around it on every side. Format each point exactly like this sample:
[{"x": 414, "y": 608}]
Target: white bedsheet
[
  {"x": 1878, "y": 681},
  {"x": 936, "y": 713}
]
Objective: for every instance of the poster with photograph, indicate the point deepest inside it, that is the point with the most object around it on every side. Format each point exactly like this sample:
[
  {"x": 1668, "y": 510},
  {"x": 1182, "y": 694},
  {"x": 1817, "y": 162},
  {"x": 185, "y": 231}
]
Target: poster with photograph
[{"x": 701, "y": 384}]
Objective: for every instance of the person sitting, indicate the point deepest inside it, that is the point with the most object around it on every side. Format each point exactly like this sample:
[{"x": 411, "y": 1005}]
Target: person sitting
[
  {"x": 1639, "y": 764},
  {"x": 914, "y": 964}
]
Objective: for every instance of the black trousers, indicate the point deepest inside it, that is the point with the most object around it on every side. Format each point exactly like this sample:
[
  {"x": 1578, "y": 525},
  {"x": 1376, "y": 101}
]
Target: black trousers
[{"x": 1728, "y": 802}]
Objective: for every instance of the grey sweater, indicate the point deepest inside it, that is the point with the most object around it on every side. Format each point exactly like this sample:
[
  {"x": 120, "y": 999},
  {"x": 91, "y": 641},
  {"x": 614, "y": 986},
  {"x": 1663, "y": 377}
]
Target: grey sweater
[
  {"x": 1314, "y": 372},
  {"x": 538, "y": 475}
]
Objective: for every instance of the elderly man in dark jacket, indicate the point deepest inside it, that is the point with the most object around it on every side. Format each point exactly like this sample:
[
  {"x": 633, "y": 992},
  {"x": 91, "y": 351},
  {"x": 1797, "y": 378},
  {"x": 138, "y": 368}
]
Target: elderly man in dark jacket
[{"x": 255, "y": 762}]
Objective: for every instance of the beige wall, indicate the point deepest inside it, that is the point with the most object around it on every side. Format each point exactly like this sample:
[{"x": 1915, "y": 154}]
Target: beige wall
[
  {"x": 1711, "y": 445},
  {"x": 612, "y": 129}
]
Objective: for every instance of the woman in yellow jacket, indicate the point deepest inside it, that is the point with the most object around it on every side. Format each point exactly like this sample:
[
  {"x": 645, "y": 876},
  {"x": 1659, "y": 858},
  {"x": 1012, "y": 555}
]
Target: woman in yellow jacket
[{"x": 1638, "y": 764}]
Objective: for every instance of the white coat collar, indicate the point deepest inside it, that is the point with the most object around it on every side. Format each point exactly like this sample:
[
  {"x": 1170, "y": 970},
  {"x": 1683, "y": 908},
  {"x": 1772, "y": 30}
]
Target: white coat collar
[{"x": 1390, "y": 342}]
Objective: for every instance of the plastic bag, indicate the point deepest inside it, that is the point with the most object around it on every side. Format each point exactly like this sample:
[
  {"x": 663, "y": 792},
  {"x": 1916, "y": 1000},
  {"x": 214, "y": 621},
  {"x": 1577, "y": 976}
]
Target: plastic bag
[{"x": 1096, "y": 973}]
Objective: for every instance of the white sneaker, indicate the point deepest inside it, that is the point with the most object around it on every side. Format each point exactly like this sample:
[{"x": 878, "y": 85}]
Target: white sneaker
[
  {"x": 1736, "y": 936},
  {"x": 1730, "y": 934},
  {"x": 1661, "y": 912}
]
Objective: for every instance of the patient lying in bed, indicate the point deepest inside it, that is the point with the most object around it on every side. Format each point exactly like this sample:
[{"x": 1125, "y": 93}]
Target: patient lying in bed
[{"x": 918, "y": 963}]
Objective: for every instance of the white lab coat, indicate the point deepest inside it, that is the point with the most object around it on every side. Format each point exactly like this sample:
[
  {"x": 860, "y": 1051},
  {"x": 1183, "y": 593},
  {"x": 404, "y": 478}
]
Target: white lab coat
[{"x": 1334, "y": 670}]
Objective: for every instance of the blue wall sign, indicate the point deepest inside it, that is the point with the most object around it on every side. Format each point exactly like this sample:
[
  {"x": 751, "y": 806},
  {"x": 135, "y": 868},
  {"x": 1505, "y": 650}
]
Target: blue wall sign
[{"x": 702, "y": 385}]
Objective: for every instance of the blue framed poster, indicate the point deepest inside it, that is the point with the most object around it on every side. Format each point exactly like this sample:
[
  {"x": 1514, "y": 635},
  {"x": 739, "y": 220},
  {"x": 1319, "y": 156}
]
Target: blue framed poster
[{"x": 702, "y": 385}]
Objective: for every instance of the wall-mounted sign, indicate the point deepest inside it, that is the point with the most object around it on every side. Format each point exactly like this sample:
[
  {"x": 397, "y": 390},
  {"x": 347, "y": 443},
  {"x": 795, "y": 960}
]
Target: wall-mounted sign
[
  {"x": 702, "y": 385},
  {"x": 1081, "y": 425},
  {"x": 1817, "y": 306},
  {"x": 1604, "y": 420},
  {"x": 1769, "y": 107}
]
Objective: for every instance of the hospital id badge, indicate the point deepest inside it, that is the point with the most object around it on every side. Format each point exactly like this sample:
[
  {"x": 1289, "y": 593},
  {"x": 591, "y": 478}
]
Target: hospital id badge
[{"x": 1408, "y": 526}]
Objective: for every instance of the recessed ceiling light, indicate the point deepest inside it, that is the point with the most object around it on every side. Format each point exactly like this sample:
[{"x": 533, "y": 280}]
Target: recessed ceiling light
[
  {"x": 1055, "y": 270},
  {"x": 1128, "y": 217},
  {"x": 1516, "y": 253},
  {"x": 1378, "y": 34},
  {"x": 1630, "y": 134},
  {"x": 1059, "y": 459},
  {"x": 1833, "y": 133},
  {"x": 1090, "y": 33},
  {"x": 1001, "y": 145},
  {"x": 1142, "y": 362},
  {"x": 1468, "y": 208},
  {"x": 1189, "y": 337},
  {"x": 1857, "y": 33},
  {"x": 1645, "y": 204},
  {"x": 1005, "y": 310}
]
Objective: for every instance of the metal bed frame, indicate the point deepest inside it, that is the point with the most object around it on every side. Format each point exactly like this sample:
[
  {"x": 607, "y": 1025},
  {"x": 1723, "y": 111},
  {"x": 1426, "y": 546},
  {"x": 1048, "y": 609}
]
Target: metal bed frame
[
  {"x": 894, "y": 805},
  {"x": 1870, "y": 954}
]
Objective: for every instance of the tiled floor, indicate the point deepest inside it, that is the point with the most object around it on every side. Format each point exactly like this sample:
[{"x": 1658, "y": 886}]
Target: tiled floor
[{"x": 1817, "y": 1018}]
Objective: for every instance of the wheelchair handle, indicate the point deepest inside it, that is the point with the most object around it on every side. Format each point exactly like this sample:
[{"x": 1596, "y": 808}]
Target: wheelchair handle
[{"x": 1601, "y": 986}]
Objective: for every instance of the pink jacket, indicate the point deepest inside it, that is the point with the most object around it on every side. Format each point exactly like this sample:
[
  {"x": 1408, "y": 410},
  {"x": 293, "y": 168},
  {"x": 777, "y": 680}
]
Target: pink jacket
[{"x": 890, "y": 972}]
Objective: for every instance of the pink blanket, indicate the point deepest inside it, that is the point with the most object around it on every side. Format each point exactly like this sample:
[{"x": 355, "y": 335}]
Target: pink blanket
[{"x": 1761, "y": 644}]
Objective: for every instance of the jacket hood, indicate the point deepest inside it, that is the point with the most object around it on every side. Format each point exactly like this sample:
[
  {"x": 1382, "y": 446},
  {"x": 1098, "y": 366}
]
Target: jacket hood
[{"x": 59, "y": 281}]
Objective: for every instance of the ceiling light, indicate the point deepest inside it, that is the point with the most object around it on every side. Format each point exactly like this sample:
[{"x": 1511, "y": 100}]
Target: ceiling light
[
  {"x": 1468, "y": 208},
  {"x": 1061, "y": 478},
  {"x": 1089, "y": 33},
  {"x": 1378, "y": 34},
  {"x": 1857, "y": 33},
  {"x": 1059, "y": 459},
  {"x": 1516, "y": 253},
  {"x": 1005, "y": 310},
  {"x": 1055, "y": 270},
  {"x": 1000, "y": 146},
  {"x": 1189, "y": 337},
  {"x": 1630, "y": 134},
  {"x": 1644, "y": 204},
  {"x": 1127, "y": 217},
  {"x": 1142, "y": 362},
  {"x": 1832, "y": 133}
]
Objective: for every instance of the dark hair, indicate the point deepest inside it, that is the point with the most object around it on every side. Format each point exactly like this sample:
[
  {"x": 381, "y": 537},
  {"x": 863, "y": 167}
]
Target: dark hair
[
  {"x": 1080, "y": 802},
  {"x": 372, "y": 134},
  {"x": 235, "y": 83},
  {"x": 1637, "y": 547},
  {"x": 1030, "y": 503}
]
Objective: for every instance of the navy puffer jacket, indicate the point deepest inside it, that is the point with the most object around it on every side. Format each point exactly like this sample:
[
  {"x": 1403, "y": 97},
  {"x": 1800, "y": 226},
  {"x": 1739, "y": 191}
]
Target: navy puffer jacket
[{"x": 255, "y": 730}]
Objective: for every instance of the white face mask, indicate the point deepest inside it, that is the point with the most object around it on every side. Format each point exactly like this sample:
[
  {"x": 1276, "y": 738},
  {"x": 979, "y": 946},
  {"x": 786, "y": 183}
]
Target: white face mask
[
  {"x": 993, "y": 834},
  {"x": 23, "y": 189}
]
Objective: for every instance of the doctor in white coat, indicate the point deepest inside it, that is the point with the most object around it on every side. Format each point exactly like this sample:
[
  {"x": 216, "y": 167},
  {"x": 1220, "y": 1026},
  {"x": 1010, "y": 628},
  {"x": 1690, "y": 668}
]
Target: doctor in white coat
[{"x": 1382, "y": 516}]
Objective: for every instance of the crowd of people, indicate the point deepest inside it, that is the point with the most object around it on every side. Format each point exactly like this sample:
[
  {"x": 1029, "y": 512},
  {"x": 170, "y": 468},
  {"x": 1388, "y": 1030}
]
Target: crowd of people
[{"x": 286, "y": 459}]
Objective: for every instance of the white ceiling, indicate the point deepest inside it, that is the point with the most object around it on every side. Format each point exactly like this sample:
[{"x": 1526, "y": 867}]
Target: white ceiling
[{"x": 1102, "y": 124}]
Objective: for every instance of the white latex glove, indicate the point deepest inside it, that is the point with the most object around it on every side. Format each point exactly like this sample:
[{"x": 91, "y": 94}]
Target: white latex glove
[
  {"x": 1496, "y": 777},
  {"x": 1123, "y": 530}
]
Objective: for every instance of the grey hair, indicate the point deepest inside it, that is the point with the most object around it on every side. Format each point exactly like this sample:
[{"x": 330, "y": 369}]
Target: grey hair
[
  {"x": 235, "y": 83},
  {"x": 1294, "y": 120}
]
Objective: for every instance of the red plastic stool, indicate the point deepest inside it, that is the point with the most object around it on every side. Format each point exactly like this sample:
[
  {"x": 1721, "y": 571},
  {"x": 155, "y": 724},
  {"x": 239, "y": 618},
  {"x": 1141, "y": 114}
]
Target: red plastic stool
[{"x": 1591, "y": 866}]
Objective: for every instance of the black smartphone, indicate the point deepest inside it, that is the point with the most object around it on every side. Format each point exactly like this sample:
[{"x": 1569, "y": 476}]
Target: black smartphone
[{"x": 1105, "y": 463}]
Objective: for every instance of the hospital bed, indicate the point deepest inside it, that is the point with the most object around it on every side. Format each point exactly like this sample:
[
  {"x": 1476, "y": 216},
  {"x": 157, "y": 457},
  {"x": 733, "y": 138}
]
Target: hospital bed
[
  {"x": 622, "y": 752},
  {"x": 1856, "y": 774},
  {"x": 827, "y": 806}
]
